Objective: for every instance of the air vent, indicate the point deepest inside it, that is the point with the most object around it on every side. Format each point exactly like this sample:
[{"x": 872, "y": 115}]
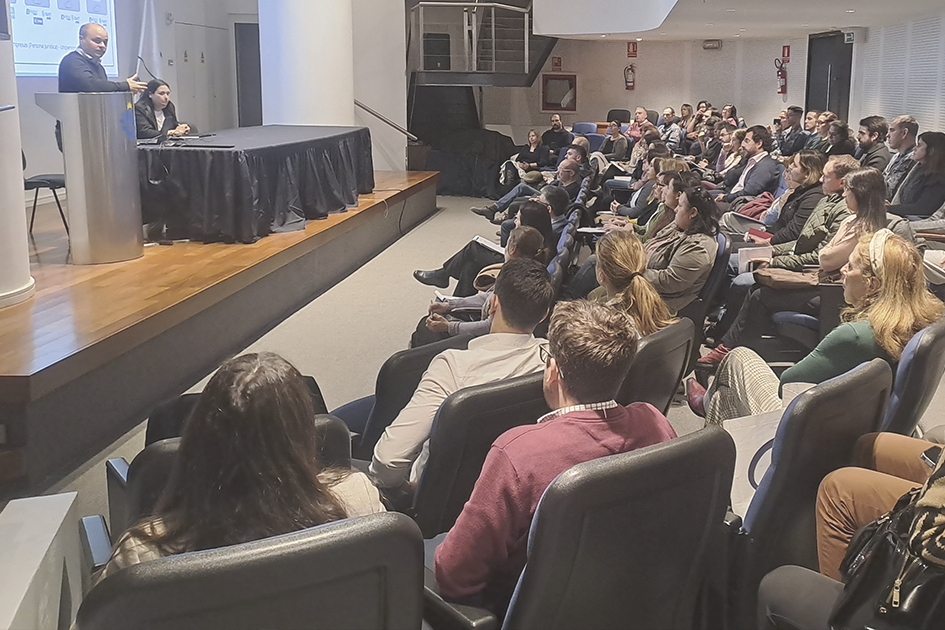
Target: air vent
[{"x": 712, "y": 44}]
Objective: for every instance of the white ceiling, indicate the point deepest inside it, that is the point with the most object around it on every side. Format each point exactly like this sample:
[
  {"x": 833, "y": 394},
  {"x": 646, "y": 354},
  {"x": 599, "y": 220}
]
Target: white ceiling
[{"x": 730, "y": 19}]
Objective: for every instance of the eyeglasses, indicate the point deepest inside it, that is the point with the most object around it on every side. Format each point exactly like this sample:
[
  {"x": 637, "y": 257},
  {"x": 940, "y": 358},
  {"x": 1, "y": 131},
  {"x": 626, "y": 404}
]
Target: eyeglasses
[{"x": 544, "y": 353}]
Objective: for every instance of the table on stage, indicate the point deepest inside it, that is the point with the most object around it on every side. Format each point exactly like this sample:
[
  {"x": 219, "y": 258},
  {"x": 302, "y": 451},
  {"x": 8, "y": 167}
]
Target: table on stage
[{"x": 241, "y": 184}]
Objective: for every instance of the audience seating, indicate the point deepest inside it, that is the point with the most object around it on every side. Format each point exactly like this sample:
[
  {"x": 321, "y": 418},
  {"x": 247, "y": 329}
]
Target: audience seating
[
  {"x": 397, "y": 380},
  {"x": 167, "y": 419},
  {"x": 466, "y": 425},
  {"x": 354, "y": 574},
  {"x": 584, "y": 128},
  {"x": 918, "y": 375},
  {"x": 799, "y": 333},
  {"x": 600, "y": 554},
  {"x": 661, "y": 362},
  {"x": 620, "y": 115},
  {"x": 696, "y": 310},
  {"x": 52, "y": 181},
  {"x": 595, "y": 140},
  {"x": 133, "y": 490},
  {"x": 815, "y": 437}
]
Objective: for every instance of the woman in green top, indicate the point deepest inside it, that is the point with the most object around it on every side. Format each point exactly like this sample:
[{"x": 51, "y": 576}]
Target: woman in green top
[{"x": 884, "y": 284}]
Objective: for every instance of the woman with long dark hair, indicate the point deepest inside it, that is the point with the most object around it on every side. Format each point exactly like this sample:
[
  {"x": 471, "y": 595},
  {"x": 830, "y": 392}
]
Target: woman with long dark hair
[
  {"x": 155, "y": 114},
  {"x": 923, "y": 190},
  {"x": 839, "y": 141},
  {"x": 247, "y": 469}
]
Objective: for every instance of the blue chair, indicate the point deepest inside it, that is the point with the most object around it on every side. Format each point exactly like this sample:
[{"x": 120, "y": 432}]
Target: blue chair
[
  {"x": 815, "y": 437},
  {"x": 624, "y": 127},
  {"x": 782, "y": 185},
  {"x": 584, "y": 127},
  {"x": 595, "y": 140},
  {"x": 917, "y": 377}
]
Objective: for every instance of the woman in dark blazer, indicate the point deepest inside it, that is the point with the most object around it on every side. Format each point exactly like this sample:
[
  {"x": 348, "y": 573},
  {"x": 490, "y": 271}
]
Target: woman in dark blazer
[{"x": 155, "y": 114}]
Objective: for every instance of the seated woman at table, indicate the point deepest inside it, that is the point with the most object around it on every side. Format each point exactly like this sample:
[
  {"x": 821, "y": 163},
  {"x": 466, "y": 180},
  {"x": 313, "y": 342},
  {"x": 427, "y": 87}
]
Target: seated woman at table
[
  {"x": 155, "y": 114},
  {"x": 884, "y": 284},
  {"x": 247, "y": 468}
]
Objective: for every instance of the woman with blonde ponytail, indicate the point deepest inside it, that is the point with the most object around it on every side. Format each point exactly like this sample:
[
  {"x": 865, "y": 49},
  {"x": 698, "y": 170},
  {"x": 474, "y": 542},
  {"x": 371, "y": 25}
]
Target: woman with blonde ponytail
[
  {"x": 883, "y": 283},
  {"x": 621, "y": 261}
]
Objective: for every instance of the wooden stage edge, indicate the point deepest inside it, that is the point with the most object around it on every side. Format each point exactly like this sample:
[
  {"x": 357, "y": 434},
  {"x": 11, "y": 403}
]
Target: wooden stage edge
[{"x": 87, "y": 357}]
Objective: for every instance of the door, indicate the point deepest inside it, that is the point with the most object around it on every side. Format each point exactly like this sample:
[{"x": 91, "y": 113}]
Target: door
[
  {"x": 829, "y": 68},
  {"x": 248, "y": 75}
]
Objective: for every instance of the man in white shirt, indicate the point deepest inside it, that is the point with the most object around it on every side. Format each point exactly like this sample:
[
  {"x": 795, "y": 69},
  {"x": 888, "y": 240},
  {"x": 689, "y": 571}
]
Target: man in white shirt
[{"x": 522, "y": 296}]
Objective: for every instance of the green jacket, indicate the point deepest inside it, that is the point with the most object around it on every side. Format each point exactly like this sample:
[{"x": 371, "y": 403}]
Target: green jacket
[{"x": 821, "y": 226}]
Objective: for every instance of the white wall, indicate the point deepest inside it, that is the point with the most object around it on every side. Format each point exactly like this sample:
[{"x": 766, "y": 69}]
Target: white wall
[
  {"x": 898, "y": 70},
  {"x": 667, "y": 74}
]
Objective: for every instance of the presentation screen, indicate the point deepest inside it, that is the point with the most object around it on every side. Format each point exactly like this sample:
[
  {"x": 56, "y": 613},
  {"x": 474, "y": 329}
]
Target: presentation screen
[{"x": 45, "y": 30}]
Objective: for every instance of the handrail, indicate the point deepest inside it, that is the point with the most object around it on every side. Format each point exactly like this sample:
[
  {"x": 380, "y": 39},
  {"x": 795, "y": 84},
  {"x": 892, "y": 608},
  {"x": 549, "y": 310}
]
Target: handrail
[
  {"x": 6, "y": 108},
  {"x": 385, "y": 119},
  {"x": 470, "y": 5}
]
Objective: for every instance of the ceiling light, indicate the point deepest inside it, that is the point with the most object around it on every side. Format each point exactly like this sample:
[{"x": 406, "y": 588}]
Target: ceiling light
[
  {"x": 660, "y": 34},
  {"x": 805, "y": 25},
  {"x": 851, "y": 11},
  {"x": 737, "y": 35},
  {"x": 710, "y": 24},
  {"x": 603, "y": 36},
  {"x": 640, "y": 39},
  {"x": 730, "y": 10},
  {"x": 743, "y": 29}
]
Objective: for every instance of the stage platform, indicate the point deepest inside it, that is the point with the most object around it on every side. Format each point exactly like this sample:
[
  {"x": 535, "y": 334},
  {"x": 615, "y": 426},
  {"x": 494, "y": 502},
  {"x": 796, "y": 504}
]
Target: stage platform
[{"x": 87, "y": 357}]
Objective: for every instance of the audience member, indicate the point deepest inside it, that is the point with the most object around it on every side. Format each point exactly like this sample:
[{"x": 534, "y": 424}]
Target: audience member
[
  {"x": 155, "y": 114},
  {"x": 635, "y": 129},
  {"x": 557, "y": 137},
  {"x": 521, "y": 299},
  {"x": 591, "y": 348},
  {"x": 621, "y": 262},
  {"x": 643, "y": 187},
  {"x": 761, "y": 171},
  {"x": 672, "y": 184},
  {"x": 884, "y": 284},
  {"x": 533, "y": 157},
  {"x": 871, "y": 139},
  {"x": 838, "y": 139},
  {"x": 685, "y": 114},
  {"x": 670, "y": 132},
  {"x": 699, "y": 117},
  {"x": 556, "y": 200},
  {"x": 822, "y": 142},
  {"x": 810, "y": 126},
  {"x": 792, "y": 138},
  {"x": 614, "y": 147},
  {"x": 735, "y": 160},
  {"x": 567, "y": 179},
  {"x": 863, "y": 194},
  {"x": 730, "y": 115},
  {"x": 922, "y": 191},
  {"x": 901, "y": 139},
  {"x": 546, "y": 213},
  {"x": 248, "y": 468},
  {"x": 524, "y": 242},
  {"x": 793, "y": 597}
]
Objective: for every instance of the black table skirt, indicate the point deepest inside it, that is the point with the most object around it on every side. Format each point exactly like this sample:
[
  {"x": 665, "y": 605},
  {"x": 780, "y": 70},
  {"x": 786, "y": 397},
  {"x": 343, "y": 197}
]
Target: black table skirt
[{"x": 254, "y": 180}]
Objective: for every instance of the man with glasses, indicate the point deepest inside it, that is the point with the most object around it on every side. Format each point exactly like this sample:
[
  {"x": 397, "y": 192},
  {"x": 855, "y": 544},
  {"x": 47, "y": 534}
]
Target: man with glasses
[
  {"x": 590, "y": 350},
  {"x": 901, "y": 139},
  {"x": 568, "y": 178}
]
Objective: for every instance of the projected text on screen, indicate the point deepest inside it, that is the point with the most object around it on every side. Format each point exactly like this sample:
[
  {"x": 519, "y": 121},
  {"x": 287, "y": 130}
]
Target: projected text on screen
[{"x": 44, "y": 31}]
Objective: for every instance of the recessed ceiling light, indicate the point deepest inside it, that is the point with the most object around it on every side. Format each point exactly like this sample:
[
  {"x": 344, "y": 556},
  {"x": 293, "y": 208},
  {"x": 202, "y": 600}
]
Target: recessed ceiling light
[
  {"x": 640, "y": 39},
  {"x": 730, "y": 10},
  {"x": 805, "y": 25},
  {"x": 660, "y": 34},
  {"x": 851, "y": 11},
  {"x": 743, "y": 29},
  {"x": 737, "y": 35},
  {"x": 710, "y": 24},
  {"x": 603, "y": 36}
]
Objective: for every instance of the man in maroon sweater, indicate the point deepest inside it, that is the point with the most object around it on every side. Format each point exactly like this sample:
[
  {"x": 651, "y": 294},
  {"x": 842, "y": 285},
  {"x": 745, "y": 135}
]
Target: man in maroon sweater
[{"x": 591, "y": 347}]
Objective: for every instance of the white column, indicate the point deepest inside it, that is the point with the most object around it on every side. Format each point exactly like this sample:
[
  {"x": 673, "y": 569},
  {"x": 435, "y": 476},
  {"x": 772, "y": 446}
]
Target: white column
[
  {"x": 16, "y": 284},
  {"x": 306, "y": 50}
]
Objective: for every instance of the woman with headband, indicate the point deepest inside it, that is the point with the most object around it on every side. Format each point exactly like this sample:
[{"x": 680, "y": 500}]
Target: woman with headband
[{"x": 889, "y": 302}]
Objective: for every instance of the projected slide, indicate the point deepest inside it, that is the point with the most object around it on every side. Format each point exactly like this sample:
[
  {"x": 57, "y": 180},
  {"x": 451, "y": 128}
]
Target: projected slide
[{"x": 44, "y": 31}]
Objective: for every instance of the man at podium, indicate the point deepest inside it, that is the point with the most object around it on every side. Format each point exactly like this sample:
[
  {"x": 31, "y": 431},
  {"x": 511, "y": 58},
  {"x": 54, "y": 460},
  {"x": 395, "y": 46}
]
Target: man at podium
[{"x": 82, "y": 71}]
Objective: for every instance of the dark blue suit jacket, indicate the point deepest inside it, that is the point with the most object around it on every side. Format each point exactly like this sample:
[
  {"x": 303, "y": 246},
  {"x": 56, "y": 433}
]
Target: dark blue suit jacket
[
  {"x": 763, "y": 177},
  {"x": 78, "y": 73}
]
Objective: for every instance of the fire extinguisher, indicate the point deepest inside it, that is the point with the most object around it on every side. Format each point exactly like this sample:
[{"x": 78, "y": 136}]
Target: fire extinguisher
[
  {"x": 782, "y": 76},
  {"x": 629, "y": 74}
]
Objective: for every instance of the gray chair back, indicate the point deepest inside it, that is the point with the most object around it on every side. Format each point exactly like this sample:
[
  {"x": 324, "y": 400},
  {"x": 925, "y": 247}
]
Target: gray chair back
[
  {"x": 355, "y": 574},
  {"x": 917, "y": 378},
  {"x": 661, "y": 361},
  {"x": 600, "y": 552},
  {"x": 397, "y": 380},
  {"x": 815, "y": 437},
  {"x": 466, "y": 425}
]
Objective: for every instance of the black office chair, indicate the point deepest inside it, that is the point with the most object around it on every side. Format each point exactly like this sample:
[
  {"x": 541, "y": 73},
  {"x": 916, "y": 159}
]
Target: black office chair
[
  {"x": 168, "y": 418},
  {"x": 696, "y": 310},
  {"x": 355, "y": 574},
  {"x": 133, "y": 490},
  {"x": 466, "y": 425},
  {"x": 600, "y": 553},
  {"x": 620, "y": 115},
  {"x": 661, "y": 362},
  {"x": 918, "y": 375},
  {"x": 397, "y": 380},
  {"x": 815, "y": 437},
  {"x": 52, "y": 181}
]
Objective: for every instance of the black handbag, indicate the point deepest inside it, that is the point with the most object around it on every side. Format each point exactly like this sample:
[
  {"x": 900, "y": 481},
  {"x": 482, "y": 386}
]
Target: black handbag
[{"x": 887, "y": 586}]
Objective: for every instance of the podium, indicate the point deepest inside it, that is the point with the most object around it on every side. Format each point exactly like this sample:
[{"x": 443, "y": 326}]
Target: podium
[{"x": 100, "y": 151}]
